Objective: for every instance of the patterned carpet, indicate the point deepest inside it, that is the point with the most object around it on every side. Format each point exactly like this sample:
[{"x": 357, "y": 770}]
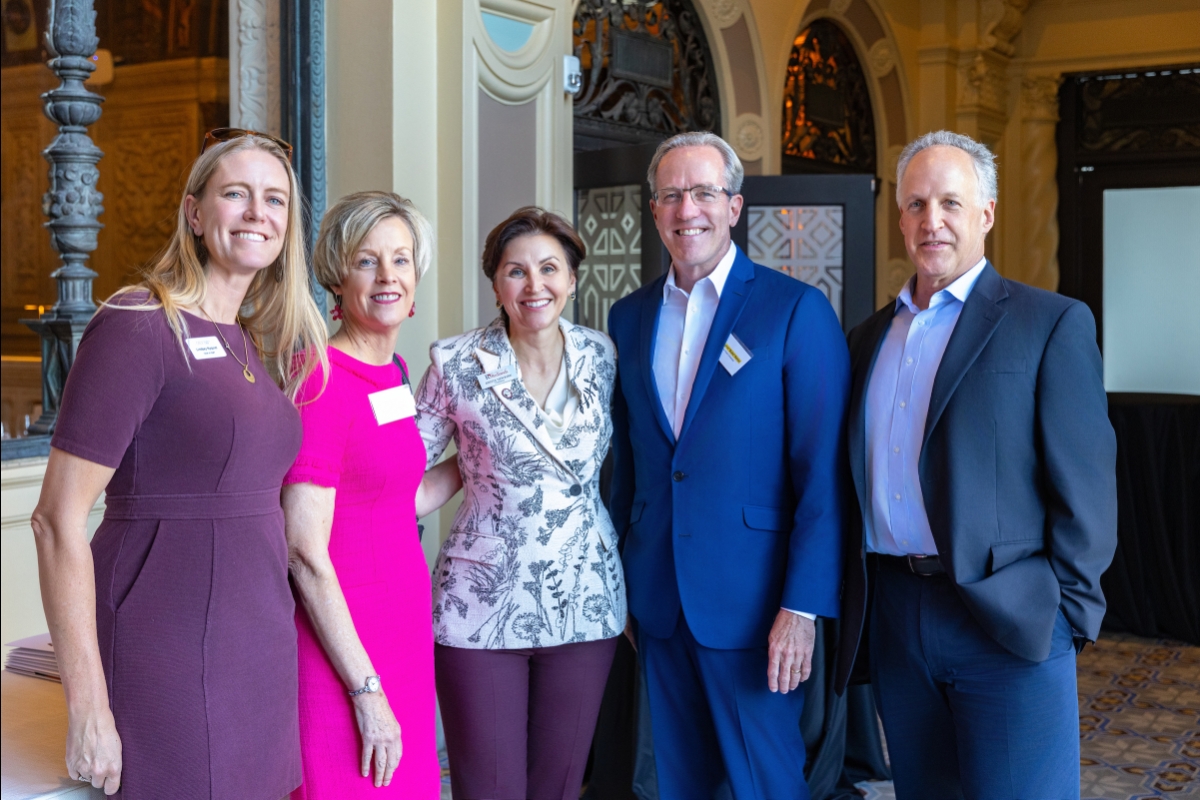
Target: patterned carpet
[{"x": 1139, "y": 721}]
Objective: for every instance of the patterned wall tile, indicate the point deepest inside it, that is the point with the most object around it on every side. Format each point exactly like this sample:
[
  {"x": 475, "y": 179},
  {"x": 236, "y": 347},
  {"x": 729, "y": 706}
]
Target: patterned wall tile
[
  {"x": 610, "y": 224},
  {"x": 802, "y": 241}
]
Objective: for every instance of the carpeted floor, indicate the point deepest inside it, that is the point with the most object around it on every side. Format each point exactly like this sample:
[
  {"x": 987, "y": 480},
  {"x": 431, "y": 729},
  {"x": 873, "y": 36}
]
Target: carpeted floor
[{"x": 1139, "y": 721}]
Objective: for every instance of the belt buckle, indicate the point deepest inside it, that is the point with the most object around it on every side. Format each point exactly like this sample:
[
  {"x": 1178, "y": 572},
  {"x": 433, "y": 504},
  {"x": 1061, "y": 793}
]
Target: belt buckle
[{"x": 912, "y": 565}]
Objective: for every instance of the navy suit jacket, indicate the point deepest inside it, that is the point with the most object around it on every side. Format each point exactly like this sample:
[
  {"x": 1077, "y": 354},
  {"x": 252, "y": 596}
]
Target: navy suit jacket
[
  {"x": 1017, "y": 468},
  {"x": 743, "y": 514}
]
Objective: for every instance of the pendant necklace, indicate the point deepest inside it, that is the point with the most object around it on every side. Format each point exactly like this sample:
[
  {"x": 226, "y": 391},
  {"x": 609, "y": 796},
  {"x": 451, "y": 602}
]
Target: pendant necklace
[{"x": 245, "y": 365}]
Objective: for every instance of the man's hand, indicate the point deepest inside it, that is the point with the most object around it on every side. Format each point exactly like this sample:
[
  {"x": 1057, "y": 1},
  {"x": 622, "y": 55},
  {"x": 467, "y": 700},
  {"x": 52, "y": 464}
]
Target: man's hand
[{"x": 789, "y": 651}]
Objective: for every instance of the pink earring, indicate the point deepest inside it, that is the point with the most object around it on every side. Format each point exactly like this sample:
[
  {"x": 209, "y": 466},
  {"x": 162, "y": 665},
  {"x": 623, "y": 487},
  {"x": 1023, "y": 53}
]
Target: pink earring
[
  {"x": 336, "y": 313},
  {"x": 412, "y": 310}
]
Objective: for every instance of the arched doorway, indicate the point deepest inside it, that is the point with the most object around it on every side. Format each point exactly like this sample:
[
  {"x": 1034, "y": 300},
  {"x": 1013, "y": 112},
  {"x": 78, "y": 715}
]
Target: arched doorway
[
  {"x": 647, "y": 75},
  {"x": 828, "y": 123}
]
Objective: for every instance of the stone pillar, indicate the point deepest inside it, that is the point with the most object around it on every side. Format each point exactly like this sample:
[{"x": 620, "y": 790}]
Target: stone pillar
[
  {"x": 1039, "y": 162},
  {"x": 72, "y": 203}
]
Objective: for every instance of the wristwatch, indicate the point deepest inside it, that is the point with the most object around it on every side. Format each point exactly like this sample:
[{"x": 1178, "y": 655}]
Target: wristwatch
[{"x": 372, "y": 685}]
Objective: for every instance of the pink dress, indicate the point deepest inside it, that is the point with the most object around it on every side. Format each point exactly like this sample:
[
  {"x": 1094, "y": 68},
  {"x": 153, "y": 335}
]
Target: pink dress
[{"x": 376, "y": 551}]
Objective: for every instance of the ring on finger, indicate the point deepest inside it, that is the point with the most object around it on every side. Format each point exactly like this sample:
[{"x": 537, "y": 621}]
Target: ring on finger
[{"x": 84, "y": 779}]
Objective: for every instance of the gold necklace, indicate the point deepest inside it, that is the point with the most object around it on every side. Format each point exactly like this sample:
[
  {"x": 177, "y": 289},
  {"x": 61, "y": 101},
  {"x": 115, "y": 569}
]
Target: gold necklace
[{"x": 244, "y": 365}]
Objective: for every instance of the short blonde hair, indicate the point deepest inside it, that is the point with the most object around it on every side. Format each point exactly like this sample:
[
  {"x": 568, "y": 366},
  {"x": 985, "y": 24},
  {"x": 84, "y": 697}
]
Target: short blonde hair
[{"x": 352, "y": 219}]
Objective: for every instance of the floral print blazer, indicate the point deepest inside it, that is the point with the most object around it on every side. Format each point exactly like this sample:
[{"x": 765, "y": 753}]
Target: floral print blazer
[{"x": 531, "y": 559}]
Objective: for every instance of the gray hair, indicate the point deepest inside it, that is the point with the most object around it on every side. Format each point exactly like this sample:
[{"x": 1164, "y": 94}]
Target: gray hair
[
  {"x": 733, "y": 165},
  {"x": 983, "y": 159},
  {"x": 352, "y": 219}
]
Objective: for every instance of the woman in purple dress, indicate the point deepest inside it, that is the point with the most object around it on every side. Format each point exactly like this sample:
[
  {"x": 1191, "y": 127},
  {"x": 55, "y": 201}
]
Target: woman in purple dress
[{"x": 174, "y": 631}]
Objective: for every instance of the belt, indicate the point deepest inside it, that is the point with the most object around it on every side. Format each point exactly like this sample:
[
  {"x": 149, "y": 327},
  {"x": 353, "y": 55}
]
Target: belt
[
  {"x": 925, "y": 566},
  {"x": 214, "y": 505}
]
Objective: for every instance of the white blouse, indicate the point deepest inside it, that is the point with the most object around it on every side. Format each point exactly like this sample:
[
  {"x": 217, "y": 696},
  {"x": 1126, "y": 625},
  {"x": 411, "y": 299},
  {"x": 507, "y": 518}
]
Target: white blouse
[{"x": 560, "y": 404}]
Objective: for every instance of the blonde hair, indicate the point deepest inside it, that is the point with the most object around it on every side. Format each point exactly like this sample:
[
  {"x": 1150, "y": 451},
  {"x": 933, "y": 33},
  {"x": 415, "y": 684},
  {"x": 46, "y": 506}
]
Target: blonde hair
[
  {"x": 352, "y": 219},
  {"x": 278, "y": 311}
]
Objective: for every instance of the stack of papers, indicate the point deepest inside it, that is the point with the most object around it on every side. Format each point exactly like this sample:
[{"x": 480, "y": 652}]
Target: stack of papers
[{"x": 33, "y": 657}]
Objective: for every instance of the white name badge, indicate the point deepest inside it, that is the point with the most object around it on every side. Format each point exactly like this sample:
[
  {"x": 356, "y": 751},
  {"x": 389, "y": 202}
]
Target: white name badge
[
  {"x": 734, "y": 355},
  {"x": 498, "y": 376},
  {"x": 205, "y": 347},
  {"x": 392, "y": 404}
]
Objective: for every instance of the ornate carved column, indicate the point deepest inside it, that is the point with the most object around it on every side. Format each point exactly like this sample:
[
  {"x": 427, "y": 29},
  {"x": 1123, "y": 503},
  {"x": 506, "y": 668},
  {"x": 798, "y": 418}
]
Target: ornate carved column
[
  {"x": 983, "y": 72},
  {"x": 1039, "y": 163},
  {"x": 72, "y": 203}
]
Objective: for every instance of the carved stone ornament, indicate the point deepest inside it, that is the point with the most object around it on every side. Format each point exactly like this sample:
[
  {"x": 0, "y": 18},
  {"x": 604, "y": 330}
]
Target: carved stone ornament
[
  {"x": 982, "y": 82},
  {"x": 724, "y": 12},
  {"x": 1001, "y": 21},
  {"x": 1039, "y": 97},
  {"x": 749, "y": 136},
  {"x": 881, "y": 58},
  {"x": 256, "y": 40},
  {"x": 72, "y": 203},
  {"x": 647, "y": 70},
  {"x": 840, "y": 7}
]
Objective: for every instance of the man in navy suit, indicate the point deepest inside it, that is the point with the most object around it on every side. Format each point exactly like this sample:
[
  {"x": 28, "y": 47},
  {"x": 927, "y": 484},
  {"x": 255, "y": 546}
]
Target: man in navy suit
[
  {"x": 727, "y": 489},
  {"x": 984, "y": 465}
]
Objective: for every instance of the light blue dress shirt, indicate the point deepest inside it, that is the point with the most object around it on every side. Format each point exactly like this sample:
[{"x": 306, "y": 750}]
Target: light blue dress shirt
[{"x": 898, "y": 392}]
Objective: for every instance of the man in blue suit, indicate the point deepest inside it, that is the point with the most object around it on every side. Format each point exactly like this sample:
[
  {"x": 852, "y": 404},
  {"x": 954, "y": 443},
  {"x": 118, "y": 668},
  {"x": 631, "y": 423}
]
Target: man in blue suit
[
  {"x": 984, "y": 464},
  {"x": 727, "y": 489}
]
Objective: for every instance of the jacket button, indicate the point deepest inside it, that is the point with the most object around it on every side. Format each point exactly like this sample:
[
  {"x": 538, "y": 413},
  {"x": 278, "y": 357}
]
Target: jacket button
[
  {"x": 678, "y": 476},
  {"x": 576, "y": 490}
]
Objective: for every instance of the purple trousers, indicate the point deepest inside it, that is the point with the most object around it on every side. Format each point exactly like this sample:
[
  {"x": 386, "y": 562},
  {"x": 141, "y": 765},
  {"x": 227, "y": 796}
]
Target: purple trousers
[{"x": 519, "y": 723}]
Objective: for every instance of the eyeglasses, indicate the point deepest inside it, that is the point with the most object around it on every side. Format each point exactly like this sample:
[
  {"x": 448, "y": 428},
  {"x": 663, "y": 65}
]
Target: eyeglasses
[
  {"x": 217, "y": 135},
  {"x": 703, "y": 195}
]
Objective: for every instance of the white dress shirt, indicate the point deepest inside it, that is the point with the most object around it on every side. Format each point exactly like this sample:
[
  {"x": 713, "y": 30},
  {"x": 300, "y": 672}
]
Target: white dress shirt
[
  {"x": 898, "y": 393},
  {"x": 683, "y": 326}
]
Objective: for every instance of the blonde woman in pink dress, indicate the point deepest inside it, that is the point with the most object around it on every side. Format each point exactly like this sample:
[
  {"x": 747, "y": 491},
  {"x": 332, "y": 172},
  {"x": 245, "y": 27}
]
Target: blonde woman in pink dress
[{"x": 351, "y": 502}]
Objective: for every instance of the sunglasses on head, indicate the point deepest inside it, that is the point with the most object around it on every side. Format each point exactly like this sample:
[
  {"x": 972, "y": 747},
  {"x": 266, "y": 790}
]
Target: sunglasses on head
[{"x": 217, "y": 135}]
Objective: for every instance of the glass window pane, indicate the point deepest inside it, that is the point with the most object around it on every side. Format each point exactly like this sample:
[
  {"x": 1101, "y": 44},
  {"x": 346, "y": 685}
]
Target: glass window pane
[
  {"x": 802, "y": 241},
  {"x": 610, "y": 224}
]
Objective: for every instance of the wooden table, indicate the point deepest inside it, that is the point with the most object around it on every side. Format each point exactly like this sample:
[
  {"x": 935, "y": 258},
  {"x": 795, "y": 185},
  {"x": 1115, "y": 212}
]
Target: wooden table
[{"x": 33, "y": 751}]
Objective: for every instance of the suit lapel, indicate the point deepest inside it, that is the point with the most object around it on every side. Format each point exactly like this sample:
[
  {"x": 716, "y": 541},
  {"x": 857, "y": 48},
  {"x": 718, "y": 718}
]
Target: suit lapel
[
  {"x": 976, "y": 323},
  {"x": 733, "y": 300},
  {"x": 874, "y": 331},
  {"x": 651, "y": 306},
  {"x": 495, "y": 352}
]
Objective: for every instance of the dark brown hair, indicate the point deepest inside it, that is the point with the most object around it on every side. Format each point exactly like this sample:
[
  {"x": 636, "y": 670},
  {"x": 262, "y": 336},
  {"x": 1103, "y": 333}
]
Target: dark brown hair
[{"x": 531, "y": 221}]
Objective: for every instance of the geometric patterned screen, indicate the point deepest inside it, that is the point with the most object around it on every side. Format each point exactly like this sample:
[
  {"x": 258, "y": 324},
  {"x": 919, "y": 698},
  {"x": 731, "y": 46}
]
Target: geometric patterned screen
[
  {"x": 610, "y": 224},
  {"x": 802, "y": 241}
]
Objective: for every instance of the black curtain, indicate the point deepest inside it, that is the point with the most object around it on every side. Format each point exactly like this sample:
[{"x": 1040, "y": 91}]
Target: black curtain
[{"x": 1153, "y": 585}]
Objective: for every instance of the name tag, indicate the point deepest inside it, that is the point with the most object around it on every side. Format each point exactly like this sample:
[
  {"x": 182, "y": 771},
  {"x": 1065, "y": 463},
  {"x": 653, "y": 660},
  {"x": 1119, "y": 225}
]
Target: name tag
[
  {"x": 392, "y": 404},
  {"x": 734, "y": 355},
  {"x": 205, "y": 347},
  {"x": 498, "y": 376}
]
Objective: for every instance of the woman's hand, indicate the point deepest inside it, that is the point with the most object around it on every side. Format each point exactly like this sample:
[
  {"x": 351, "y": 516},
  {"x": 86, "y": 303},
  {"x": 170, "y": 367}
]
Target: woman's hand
[
  {"x": 94, "y": 749},
  {"x": 380, "y": 732},
  {"x": 69, "y": 490}
]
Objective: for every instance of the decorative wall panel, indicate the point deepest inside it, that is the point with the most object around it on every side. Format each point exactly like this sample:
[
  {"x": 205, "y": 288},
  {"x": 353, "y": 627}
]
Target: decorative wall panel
[
  {"x": 610, "y": 224},
  {"x": 802, "y": 241}
]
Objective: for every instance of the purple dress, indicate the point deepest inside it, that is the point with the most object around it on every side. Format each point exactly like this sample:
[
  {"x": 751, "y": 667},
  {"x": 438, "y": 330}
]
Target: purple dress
[{"x": 193, "y": 609}]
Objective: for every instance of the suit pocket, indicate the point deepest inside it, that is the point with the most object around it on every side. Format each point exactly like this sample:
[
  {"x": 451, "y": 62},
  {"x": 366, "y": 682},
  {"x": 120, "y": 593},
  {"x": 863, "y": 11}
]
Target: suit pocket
[
  {"x": 635, "y": 513},
  {"x": 474, "y": 547},
  {"x": 1011, "y": 552},
  {"x": 1001, "y": 365},
  {"x": 767, "y": 518}
]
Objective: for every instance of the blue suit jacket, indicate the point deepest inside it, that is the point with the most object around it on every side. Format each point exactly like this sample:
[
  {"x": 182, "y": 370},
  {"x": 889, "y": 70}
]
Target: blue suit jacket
[
  {"x": 1017, "y": 469},
  {"x": 743, "y": 514}
]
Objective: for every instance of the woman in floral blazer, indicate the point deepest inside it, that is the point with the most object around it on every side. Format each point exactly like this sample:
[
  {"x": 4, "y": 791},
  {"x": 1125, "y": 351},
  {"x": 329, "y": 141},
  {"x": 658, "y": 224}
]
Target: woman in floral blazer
[{"x": 528, "y": 592}]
